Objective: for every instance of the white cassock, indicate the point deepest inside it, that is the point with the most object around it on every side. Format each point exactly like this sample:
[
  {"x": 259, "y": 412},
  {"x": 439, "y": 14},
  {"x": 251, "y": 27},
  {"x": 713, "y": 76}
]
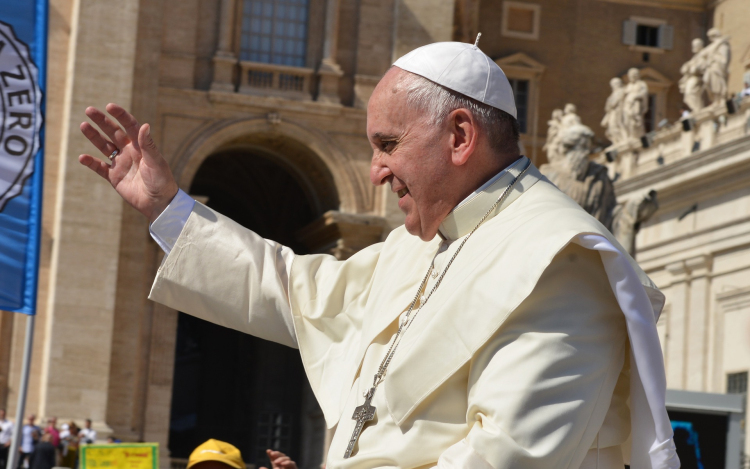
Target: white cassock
[{"x": 524, "y": 357}]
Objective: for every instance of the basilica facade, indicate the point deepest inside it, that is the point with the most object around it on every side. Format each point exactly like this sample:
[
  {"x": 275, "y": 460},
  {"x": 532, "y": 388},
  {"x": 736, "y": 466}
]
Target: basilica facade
[{"x": 260, "y": 108}]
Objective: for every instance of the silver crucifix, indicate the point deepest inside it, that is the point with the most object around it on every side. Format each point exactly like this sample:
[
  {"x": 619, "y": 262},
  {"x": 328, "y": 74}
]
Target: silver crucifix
[{"x": 362, "y": 415}]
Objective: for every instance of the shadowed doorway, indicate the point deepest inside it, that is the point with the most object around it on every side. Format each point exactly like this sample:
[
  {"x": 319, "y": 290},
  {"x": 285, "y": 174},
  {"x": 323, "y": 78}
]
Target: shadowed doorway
[{"x": 229, "y": 385}]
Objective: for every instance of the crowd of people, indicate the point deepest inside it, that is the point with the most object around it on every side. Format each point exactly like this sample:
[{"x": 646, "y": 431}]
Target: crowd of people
[{"x": 44, "y": 448}]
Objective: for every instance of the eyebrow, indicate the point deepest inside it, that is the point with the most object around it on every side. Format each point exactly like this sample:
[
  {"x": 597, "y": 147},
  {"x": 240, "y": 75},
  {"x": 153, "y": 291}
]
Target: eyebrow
[{"x": 383, "y": 136}]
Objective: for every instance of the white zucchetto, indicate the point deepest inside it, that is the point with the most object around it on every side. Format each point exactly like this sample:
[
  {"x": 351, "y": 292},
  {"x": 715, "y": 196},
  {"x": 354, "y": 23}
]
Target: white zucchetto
[{"x": 463, "y": 68}]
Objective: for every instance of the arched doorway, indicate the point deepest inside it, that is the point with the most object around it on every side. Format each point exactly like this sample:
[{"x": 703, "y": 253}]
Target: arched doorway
[{"x": 229, "y": 385}]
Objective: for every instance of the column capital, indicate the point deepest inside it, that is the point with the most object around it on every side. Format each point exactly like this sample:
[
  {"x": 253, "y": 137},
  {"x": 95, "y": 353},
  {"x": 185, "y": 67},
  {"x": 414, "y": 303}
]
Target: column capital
[{"x": 700, "y": 266}]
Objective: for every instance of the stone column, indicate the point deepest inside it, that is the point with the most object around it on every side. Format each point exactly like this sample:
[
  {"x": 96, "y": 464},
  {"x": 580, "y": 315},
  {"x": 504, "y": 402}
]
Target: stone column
[
  {"x": 329, "y": 71},
  {"x": 225, "y": 61},
  {"x": 697, "y": 333},
  {"x": 677, "y": 325},
  {"x": 75, "y": 361}
]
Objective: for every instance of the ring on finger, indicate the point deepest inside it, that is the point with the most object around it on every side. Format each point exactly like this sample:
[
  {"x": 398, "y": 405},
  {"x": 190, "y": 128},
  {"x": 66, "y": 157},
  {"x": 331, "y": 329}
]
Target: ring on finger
[{"x": 114, "y": 153}]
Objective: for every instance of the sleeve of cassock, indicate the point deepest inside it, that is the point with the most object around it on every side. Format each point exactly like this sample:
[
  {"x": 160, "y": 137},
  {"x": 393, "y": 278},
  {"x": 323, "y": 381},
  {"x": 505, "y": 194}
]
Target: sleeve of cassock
[
  {"x": 224, "y": 273},
  {"x": 540, "y": 388}
]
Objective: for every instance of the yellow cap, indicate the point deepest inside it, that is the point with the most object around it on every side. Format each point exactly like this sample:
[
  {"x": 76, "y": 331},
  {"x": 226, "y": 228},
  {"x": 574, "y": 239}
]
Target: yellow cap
[{"x": 215, "y": 450}]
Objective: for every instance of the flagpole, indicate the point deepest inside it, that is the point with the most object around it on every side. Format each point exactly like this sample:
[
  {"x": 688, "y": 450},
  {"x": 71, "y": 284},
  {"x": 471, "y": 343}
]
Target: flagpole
[{"x": 21, "y": 406}]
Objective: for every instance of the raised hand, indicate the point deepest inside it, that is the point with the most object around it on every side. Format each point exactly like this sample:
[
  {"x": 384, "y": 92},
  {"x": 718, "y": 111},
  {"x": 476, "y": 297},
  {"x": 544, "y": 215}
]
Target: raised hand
[
  {"x": 139, "y": 173},
  {"x": 280, "y": 460}
]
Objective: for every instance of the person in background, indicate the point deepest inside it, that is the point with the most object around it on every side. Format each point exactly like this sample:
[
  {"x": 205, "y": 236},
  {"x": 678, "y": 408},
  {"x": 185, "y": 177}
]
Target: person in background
[
  {"x": 279, "y": 460},
  {"x": 6, "y": 433},
  {"x": 70, "y": 446},
  {"x": 215, "y": 454},
  {"x": 44, "y": 455},
  {"x": 54, "y": 433},
  {"x": 111, "y": 440},
  {"x": 30, "y": 433},
  {"x": 88, "y": 434}
]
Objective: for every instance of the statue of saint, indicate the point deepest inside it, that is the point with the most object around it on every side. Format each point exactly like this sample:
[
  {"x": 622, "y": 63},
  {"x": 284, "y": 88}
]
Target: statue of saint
[
  {"x": 553, "y": 129},
  {"x": 613, "y": 122},
  {"x": 635, "y": 104},
  {"x": 589, "y": 184},
  {"x": 581, "y": 179},
  {"x": 717, "y": 55},
  {"x": 691, "y": 83},
  {"x": 570, "y": 118},
  {"x": 628, "y": 216}
]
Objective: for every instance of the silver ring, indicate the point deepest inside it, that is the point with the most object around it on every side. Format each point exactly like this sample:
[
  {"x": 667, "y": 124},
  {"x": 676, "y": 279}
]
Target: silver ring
[{"x": 114, "y": 153}]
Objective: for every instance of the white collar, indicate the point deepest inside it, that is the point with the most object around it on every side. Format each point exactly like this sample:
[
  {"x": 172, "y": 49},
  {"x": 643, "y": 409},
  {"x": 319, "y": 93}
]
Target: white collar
[{"x": 464, "y": 217}]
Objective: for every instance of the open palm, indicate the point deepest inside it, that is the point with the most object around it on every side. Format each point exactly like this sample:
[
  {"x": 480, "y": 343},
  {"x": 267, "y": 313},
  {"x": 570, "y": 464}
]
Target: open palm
[{"x": 138, "y": 172}]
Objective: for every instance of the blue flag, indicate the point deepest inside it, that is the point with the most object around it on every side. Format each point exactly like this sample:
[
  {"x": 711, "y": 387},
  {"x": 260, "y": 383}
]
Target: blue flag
[{"x": 23, "y": 61}]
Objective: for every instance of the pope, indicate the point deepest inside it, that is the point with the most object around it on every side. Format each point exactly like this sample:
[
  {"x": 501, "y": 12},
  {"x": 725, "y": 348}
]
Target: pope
[{"x": 500, "y": 327}]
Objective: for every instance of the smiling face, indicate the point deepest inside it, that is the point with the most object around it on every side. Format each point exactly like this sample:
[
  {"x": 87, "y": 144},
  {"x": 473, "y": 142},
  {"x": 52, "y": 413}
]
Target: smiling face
[{"x": 411, "y": 155}]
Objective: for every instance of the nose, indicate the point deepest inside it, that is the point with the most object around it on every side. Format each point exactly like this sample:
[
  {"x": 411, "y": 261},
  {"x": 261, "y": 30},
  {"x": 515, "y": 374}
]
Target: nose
[{"x": 379, "y": 172}]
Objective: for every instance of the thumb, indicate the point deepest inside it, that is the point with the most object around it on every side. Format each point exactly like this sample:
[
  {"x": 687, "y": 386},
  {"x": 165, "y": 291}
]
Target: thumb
[{"x": 148, "y": 148}]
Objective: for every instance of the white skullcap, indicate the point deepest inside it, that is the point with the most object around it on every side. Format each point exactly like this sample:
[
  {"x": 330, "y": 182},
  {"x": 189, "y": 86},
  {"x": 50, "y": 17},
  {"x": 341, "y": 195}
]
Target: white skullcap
[{"x": 463, "y": 68}]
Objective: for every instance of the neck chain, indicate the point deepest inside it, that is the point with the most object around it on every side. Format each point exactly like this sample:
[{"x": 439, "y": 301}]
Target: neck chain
[{"x": 366, "y": 412}]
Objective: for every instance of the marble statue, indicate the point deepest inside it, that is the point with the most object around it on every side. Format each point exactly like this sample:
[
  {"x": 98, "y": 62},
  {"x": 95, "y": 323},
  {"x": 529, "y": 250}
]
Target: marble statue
[
  {"x": 589, "y": 184},
  {"x": 635, "y": 104},
  {"x": 570, "y": 116},
  {"x": 553, "y": 129},
  {"x": 717, "y": 55},
  {"x": 560, "y": 121},
  {"x": 581, "y": 179},
  {"x": 628, "y": 216},
  {"x": 691, "y": 83},
  {"x": 613, "y": 122}
]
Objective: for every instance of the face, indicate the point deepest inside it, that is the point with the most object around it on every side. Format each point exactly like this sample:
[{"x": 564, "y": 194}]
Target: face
[
  {"x": 697, "y": 45},
  {"x": 615, "y": 83},
  {"x": 2, "y": 414},
  {"x": 633, "y": 75},
  {"x": 410, "y": 155},
  {"x": 31, "y": 419},
  {"x": 211, "y": 465}
]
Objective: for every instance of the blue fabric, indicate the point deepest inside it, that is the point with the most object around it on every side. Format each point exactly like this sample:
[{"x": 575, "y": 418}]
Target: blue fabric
[{"x": 20, "y": 216}]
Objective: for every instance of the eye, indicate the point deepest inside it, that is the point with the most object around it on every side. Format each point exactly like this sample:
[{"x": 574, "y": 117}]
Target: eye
[{"x": 387, "y": 146}]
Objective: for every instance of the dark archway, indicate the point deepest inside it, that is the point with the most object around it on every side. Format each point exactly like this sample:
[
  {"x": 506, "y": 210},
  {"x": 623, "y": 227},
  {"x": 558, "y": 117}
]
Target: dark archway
[{"x": 229, "y": 385}]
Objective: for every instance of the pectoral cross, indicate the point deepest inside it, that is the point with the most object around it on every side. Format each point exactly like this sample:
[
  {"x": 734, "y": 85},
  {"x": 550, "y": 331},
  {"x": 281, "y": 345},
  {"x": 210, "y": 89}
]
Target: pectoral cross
[{"x": 362, "y": 415}]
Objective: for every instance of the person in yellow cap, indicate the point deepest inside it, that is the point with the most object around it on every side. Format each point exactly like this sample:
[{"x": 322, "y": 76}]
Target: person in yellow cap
[{"x": 215, "y": 454}]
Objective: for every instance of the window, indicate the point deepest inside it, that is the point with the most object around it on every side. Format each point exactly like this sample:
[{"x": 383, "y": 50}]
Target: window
[
  {"x": 521, "y": 20},
  {"x": 275, "y": 31},
  {"x": 737, "y": 383},
  {"x": 647, "y": 34},
  {"x": 521, "y": 94}
]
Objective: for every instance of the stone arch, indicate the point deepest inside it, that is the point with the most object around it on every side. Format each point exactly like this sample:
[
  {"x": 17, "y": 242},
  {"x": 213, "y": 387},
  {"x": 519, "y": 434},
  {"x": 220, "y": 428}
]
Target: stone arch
[{"x": 313, "y": 157}]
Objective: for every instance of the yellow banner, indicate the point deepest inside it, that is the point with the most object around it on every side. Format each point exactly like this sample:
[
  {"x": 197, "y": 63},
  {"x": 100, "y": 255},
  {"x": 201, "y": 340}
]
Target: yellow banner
[{"x": 120, "y": 456}]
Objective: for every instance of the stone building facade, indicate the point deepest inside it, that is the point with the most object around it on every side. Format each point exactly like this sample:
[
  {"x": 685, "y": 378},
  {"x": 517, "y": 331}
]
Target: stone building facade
[{"x": 259, "y": 106}]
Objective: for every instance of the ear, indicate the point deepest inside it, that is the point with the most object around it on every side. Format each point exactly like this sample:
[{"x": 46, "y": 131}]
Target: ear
[{"x": 464, "y": 134}]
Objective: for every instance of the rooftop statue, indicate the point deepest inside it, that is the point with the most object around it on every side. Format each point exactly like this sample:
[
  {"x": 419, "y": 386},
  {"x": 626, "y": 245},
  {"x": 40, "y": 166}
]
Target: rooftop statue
[
  {"x": 717, "y": 55},
  {"x": 691, "y": 84},
  {"x": 613, "y": 121},
  {"x": 635, "y": 105}
]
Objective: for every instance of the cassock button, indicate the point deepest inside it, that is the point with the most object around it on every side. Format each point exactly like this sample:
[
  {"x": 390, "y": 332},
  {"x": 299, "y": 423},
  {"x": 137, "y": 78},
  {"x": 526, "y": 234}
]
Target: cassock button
[
  {"x": 434, "y": 273},
  {"x": 422, "y": 300}
]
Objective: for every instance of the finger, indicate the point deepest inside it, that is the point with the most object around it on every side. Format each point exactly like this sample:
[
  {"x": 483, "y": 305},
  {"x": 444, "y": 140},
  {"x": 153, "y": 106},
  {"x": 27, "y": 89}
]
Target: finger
[
  {"x": 104, "y": 145},
  {"x": 126, "y": 119},
  {"x": 112, "y": 130},
  {"x": 96, "y": 165},
  {"x": 148, "y": 148}
]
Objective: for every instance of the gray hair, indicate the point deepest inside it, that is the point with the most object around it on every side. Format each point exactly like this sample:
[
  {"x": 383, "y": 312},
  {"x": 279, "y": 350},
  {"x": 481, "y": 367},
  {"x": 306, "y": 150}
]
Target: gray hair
[{"x": 438, "y": 101}]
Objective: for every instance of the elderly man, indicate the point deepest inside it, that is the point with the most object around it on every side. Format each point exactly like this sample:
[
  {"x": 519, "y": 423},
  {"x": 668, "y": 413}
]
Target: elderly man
[{"x": 488, "y": 332}]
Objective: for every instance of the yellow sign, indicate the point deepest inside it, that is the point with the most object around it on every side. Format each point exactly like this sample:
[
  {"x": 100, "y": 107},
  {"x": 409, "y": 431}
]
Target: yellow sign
[{"x": 120, "y": 456}]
